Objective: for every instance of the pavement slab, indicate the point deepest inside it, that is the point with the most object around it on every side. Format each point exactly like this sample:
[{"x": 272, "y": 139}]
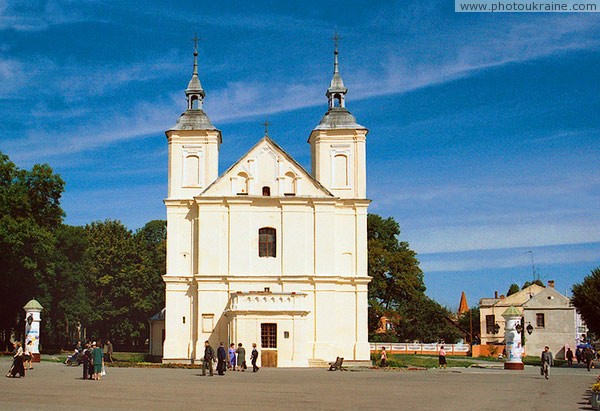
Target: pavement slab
[{"x": 54, "y": 386}]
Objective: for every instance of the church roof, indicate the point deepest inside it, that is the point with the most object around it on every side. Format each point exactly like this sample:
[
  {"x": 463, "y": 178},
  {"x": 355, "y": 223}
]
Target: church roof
[
  {"x": 463, "y": 307},
  {"x": 338, "y": 117},
  {"x": 266, "y": 140},
  {"x": 193, "y": 120}
]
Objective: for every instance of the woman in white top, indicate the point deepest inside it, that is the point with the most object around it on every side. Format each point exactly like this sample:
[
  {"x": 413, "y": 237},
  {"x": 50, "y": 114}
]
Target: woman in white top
[{"x": 28, "y": 355}]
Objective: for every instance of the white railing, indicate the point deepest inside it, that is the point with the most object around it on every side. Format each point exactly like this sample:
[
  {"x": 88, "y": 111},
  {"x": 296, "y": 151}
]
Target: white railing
[{"x": 418, "y": 348}]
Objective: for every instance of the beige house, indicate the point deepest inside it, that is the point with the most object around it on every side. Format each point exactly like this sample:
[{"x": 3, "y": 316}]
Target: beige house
[
  {"x": 267, "y": 253},
  {"x": 545, "y": 312}
]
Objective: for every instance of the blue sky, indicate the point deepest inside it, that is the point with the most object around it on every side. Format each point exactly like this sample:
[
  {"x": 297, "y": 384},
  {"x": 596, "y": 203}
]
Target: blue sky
[{"x": 484, "y": 138}]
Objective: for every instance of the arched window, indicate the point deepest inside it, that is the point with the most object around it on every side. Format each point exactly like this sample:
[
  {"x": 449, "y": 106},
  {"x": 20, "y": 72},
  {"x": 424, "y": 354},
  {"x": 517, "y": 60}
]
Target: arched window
[
  {"x": 289, "y": 188},
  {"x": 191, "y": 171},
  {"x": 340, "y": 171},
  {"x": 266, "y": 242},
  {"x": 242, "y": 183}
]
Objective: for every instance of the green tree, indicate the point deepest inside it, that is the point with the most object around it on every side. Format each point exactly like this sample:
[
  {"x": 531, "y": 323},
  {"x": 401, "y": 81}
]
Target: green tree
[
  {"x": 528, "y": 283},
  {"x": 397, "y": 289},
  {"x": 514, "y": 288},
  {"x": 69, "y": 285},
  {"x": 468, "y": 319},
  {"x": 29, "y": 213},
  {"x": 126, "y": 271},
  {"x": 586, "y": 298}
]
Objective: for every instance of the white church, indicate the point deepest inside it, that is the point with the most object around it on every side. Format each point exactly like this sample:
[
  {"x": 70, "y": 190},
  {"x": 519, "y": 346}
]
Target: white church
[{"x": 266, "y": 252}]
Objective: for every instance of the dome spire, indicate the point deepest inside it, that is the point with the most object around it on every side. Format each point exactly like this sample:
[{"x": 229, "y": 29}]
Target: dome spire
[
  {"x": 194, "y": 92},
  {"x": 336, "y": 91}
]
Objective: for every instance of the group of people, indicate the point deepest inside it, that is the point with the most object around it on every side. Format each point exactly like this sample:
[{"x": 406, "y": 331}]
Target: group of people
[
  {"x": 586, "y": 355},
  {"x": 21, "y": 359},
  {"x": 91, "y": 356},
  {"x": 234, "y": 359}
]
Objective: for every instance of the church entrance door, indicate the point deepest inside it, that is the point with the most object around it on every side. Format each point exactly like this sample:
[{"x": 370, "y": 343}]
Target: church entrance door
[
  {"x": 268, "y": 358},
  {"x": 268, "y": 340}
]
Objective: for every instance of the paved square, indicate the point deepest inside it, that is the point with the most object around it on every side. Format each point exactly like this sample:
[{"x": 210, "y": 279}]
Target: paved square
[{"x": 53, "y": 386}]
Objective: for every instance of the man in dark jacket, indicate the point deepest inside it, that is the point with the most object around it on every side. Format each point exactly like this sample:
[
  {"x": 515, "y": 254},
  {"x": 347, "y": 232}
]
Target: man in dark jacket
[
  {"x": 207, "y": 360},
  {"x": 254, "y": 357},
  {"x": 547, "y": 361},
  {"x": 221, "y": 357},
  {"x": 588, "y": 358}
]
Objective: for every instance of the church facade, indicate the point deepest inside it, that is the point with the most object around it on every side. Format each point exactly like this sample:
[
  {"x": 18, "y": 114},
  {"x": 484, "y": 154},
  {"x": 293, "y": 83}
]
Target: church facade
[{"x": 267, "y": 252}]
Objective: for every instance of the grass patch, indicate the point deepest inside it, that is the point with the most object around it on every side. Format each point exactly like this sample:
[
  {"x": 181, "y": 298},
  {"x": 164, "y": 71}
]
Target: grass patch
[
  {"x": 421, "y": 361},
  {"x": 535, "y": 360}
]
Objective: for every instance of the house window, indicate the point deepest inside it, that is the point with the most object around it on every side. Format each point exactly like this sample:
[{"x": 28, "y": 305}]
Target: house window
[
  {"x": 540, "y": 320},
  {"x": 266, "y": 242},
  {"x": 208, "y": 323},
  {"x": 268, "y": 335},
  {"x": 490, "y": 321},
  {"x": 266, "y": 191}
]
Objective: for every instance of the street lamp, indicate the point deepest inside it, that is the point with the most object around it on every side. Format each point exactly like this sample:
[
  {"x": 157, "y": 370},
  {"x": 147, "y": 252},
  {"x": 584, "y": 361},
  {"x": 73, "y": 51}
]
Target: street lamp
[
  {"x": 529, "y": 329},
  {"x": 496, "y": 328}
]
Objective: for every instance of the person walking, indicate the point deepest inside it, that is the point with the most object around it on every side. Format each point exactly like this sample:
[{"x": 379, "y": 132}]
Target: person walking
[
  {"x": 86, "y": 360},
  {"x": 207, "y": 360},
  {"x": 383, "y": 357},
  {"x": 221, "y": 357},
  {"x": 569, "y": 356},
  {"x": 17, "y": 367},
  {"x": 109, "y": 351},
  {"x": 588, "y": 358},
  {"x": 547, "y": 361},
  {"x": 97, "y": 361},
  {"x": 232, "y": 362},
  {"x": 28, "y": 355},
  {"x": 241, "y": 357},
  {"x": 442, "y": 357},
  {"x": 254, "y": 357}
]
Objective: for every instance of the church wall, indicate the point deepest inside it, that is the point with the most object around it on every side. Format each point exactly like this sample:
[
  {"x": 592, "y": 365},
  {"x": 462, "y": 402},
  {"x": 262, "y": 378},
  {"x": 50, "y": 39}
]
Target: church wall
[
  {"x": 298, "y": 239},
  {"x": 325, "y": 237},
  {"x": 179, "y": 321},
  {"x": 345, "y": 241},
  {"x": 213, "y": 241},
  {"x": 179, "y": 235}
]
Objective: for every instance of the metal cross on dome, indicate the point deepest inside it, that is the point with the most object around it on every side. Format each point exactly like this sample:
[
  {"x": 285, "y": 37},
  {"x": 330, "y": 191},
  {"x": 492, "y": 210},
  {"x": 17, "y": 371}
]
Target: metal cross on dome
[{"x": 195, "y": 40}]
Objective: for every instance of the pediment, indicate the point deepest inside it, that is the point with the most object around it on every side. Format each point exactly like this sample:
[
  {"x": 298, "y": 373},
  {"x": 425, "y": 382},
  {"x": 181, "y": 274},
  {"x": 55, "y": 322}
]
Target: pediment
[{"x": 266, "y": 167}]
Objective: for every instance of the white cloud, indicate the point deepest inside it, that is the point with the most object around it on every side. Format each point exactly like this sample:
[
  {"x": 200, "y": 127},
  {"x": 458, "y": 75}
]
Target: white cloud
[{"x": 510, "y": 257}]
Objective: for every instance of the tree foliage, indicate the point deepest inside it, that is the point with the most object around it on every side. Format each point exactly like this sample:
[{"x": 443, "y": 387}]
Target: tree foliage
[
  {"x": 514, "y": 288},
  {"x": 102, "y": 277},
  {"x": 397, "y": 289},
  {"x": 529, "y": 283},
  {"x": 29, "y": 213},
  {"x": 586, "y": 298}
]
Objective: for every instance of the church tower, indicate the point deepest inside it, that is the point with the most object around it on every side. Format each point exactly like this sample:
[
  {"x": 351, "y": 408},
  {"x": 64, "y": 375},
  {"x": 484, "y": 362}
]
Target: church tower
[
  {"x": 193, "y": 145},
  {"x": 193, "y": 165},
  {"x": 338, "y": 144}
]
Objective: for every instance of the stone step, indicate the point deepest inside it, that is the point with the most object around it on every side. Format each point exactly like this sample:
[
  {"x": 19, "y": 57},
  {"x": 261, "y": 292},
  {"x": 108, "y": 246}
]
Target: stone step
[{"x": 317, "y": 363}]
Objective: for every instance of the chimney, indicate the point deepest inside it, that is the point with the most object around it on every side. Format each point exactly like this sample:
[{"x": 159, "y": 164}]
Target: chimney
[
  {"x": 496, "y": 294},
  {"x": 551, "y": 283}
]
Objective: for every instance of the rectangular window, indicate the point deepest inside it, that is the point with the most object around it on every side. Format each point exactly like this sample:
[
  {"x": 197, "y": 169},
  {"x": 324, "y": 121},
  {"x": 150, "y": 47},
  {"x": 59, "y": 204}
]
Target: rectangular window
[
  {"x": 490, "y": 321},
  {"x": 540, "y": 320},
  {"x": 266, "y": 242},
  {"x": 208, "y": 321},
  {"x": 268, "y": 335}
]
